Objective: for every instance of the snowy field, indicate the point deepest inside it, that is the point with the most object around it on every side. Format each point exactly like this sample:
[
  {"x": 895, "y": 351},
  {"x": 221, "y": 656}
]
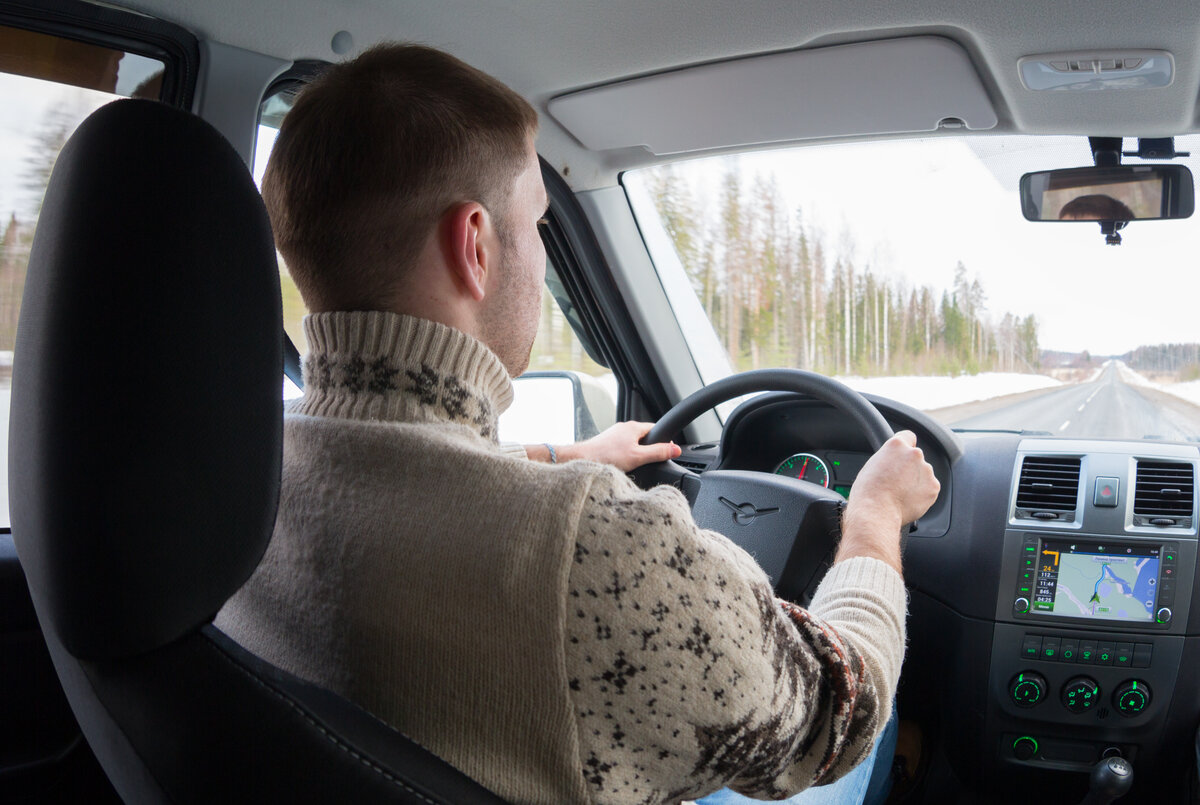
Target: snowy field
[
  {"x": 928, "y": 393},
  {"x": 1189, "y": 391}
]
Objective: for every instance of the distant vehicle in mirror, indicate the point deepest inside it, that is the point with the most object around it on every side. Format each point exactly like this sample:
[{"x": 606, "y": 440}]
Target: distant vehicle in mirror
[{"x": 1118, "y": 193}]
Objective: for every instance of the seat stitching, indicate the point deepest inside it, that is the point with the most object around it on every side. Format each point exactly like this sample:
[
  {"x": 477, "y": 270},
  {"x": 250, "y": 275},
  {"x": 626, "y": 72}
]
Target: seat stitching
[{"x": 328, "y": 735}]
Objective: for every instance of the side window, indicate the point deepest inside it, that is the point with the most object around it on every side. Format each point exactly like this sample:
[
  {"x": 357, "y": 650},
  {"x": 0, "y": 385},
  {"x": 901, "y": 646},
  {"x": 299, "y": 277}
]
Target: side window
[
  {"x": 48, "y": 85},
  {"x": 275, "y": 106},
  {"x": 566, "y": 395}
]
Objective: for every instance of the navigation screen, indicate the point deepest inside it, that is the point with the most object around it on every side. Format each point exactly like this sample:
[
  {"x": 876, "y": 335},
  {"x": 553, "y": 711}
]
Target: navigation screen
[{"x": 1093, "y": 580}]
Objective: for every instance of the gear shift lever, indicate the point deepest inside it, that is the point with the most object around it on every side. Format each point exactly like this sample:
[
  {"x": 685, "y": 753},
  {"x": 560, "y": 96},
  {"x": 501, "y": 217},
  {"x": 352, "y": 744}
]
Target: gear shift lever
[{"x": 1111, "y": 778}]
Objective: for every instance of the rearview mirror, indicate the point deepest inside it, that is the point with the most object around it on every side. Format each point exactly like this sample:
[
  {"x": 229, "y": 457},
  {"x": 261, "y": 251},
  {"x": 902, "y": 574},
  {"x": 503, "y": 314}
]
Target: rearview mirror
[{"x": 1118, "y": 193}]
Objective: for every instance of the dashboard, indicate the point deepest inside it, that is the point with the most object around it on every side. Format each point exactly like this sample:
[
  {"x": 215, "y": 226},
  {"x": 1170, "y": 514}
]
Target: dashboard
[{"x": 1051, "y": 590}]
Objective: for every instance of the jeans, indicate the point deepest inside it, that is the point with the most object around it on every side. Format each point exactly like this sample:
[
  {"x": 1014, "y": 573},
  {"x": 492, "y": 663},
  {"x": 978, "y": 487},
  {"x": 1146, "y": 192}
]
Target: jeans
[{"x": 869, "y": 782}]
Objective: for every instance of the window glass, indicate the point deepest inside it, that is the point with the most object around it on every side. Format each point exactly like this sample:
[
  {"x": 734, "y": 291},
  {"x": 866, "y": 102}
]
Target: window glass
[
  {"x": 48, "y": 85},
  {"x": 270, "y": 115},
  {"x": 565, "y": 395},
  {"x": 905, "y": 268}
]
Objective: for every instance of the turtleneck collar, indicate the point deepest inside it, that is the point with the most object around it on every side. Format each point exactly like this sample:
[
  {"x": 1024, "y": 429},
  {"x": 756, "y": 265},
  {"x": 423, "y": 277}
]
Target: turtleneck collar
[{"x": 387, "y": 366}]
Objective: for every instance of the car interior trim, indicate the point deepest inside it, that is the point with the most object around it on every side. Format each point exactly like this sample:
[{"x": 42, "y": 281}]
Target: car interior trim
[
  {"x": 620, "y": 242},
  {"x": 230, "y": 90},
  {"x": 670, "y": 113}
]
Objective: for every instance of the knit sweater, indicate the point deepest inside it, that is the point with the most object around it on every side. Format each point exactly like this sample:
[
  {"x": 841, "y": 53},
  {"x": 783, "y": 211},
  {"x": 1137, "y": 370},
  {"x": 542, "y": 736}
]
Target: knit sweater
[{"x": 555, "y": 632}]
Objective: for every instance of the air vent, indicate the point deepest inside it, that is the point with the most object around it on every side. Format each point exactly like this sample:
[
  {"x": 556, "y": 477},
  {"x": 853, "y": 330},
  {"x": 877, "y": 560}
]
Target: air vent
[
  {"x": 1164, "y": 494},
  {"x": 694, "y": 466},
  {"x": 1048, "y": 488}
]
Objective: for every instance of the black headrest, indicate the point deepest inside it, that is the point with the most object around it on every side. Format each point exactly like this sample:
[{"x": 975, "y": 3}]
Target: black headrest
[{"x": 146, "y": 427}]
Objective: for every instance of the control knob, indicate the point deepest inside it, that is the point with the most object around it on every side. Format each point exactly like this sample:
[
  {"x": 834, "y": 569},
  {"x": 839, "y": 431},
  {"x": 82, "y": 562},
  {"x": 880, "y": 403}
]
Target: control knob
[
  {"x": 1080, "y": 694},
  {"x": 1025, "y": 748},
  {"x": 1027, "y": 688},
  {"x": 1131, "y": 697}
]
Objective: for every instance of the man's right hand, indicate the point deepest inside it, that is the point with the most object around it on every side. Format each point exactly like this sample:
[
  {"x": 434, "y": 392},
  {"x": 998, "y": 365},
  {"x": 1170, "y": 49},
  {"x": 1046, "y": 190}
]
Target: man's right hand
[{"x": 896, "y": 486}]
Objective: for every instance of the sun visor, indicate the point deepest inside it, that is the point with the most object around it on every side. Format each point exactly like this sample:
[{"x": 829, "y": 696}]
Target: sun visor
[{"x": 869, "y": 88}]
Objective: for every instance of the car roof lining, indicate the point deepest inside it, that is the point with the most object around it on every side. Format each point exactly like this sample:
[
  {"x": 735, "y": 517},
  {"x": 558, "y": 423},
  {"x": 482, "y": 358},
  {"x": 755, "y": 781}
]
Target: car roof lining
[
  {"x": 769, "y": 99},
  {"x": 583, "y": 45}
]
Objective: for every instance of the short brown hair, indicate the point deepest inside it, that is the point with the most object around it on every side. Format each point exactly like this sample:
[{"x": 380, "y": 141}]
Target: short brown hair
[
  {"x": 1096, "y": 207},
  {"x": 373, "y": 153}
]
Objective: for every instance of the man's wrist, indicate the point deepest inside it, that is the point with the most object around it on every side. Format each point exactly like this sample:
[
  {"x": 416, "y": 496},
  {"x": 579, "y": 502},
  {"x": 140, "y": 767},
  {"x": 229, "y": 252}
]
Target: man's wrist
[
  {"x": 552, "y": 454},
  {"x": 871, "y": 530}
]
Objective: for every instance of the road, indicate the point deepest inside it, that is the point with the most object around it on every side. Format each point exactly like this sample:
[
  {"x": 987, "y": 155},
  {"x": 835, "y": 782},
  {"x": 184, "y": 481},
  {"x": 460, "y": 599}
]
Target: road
[{"x": 1105, "y": 407}]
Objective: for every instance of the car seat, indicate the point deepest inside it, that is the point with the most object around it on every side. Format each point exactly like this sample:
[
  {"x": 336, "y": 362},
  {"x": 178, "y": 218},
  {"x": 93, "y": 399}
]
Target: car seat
[{"x": 145, "y": 452}]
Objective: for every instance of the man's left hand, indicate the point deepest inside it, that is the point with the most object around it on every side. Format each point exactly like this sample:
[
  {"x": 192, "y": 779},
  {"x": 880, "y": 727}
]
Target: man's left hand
[{"x": 619, "y": 446}]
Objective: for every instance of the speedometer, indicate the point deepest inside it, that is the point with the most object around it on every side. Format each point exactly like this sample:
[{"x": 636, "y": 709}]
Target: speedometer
[{"x": 806, "y": 467}]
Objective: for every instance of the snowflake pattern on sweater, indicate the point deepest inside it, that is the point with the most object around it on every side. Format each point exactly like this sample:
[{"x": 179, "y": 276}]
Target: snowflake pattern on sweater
[
  {"x": 688, "y": 674},
  {"x": 457, "y": 401}
]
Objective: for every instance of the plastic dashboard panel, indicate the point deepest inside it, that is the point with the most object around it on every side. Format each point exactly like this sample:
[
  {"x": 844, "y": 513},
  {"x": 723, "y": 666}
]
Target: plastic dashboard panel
[{"x": 964, "y": 640}]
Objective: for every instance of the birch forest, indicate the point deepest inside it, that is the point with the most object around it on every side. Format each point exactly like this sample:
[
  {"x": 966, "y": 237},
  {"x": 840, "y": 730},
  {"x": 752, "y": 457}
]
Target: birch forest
[{"x": 780, "y": 291}]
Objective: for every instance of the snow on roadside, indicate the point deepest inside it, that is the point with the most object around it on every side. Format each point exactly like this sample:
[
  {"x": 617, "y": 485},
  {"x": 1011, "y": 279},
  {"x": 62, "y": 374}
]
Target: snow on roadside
[
  {"x": 928, "y": 393},
  {"x": 1189, "y": 391}
]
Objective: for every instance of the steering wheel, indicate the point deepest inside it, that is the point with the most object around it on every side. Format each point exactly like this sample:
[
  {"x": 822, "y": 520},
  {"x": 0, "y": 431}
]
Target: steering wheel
[{"x": 791, "y": 527}]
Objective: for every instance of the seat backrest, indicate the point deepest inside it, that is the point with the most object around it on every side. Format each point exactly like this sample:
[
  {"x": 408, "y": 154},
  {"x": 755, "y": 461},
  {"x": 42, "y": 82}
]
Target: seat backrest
[{"x": 144, "y": 467}]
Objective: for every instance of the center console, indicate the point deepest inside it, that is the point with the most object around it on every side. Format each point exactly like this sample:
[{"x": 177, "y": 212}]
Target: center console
[{"x": 1099, "y": 557}]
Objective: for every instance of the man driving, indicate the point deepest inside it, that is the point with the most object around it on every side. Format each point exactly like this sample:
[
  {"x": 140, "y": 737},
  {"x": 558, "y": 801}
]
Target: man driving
[{"x": 550, "y": 629}]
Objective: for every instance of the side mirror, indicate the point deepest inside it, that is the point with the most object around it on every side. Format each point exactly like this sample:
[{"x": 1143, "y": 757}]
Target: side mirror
[
  {"x": 1118, "y": 193},
  {"x": 559, "y": 407}
]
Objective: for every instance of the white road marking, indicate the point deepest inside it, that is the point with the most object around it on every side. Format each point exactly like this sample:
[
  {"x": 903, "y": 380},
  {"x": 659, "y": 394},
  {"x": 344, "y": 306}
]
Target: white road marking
[
  {"x": 1093, "y": 394},
  {"x": 1063, "y": 426},
  {"x": 1080, "y": 408}
]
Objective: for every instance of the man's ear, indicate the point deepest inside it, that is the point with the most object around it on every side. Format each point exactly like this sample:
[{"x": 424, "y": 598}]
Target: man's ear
[{"x": 468, "y": 246}]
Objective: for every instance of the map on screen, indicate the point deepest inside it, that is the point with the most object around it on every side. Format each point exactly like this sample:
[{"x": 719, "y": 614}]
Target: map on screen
[{"x": 1116, "y": 585}]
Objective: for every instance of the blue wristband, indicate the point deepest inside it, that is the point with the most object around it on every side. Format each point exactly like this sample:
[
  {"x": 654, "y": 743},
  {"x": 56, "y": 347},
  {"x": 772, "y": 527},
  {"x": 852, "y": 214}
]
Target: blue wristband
[{"x": 553, "y": 455}]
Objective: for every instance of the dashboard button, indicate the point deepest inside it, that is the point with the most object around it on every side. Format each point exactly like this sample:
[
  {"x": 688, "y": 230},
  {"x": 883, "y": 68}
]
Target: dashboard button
[
  {"x": 1050, "y": 648},
  {"x": 1107, "y": 491},
  {"x": 1069, "y": 651},
  {"x": 1031, "y": 647},
  {"x": 1087, "y": 652},
  {"x": 1163, "y": 615},
  {"x": 1105, "y": 652},
  {"x": 1124, "y": 655},
  {"x": 1021, "y": 605},
  {"x": 1142, "y": 653}
]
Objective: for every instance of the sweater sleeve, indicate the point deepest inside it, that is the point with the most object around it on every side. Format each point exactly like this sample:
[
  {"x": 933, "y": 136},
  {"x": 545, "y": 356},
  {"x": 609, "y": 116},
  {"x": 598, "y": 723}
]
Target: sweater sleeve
[
  {"x": 688, "y": 675},
  {"x": 513, "y": 449}
]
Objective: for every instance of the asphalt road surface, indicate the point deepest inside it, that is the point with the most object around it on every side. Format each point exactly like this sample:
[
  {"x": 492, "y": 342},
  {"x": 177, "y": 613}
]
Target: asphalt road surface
[{"x": 1107, "y": 407}]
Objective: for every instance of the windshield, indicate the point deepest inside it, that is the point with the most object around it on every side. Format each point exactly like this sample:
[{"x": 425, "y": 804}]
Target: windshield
[{"x": 906, "y": 269}]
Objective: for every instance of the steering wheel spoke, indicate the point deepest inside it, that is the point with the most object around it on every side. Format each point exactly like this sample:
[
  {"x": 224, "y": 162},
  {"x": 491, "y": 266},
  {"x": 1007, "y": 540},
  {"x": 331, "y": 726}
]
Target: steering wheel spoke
[{"x": 790, "y": 527}]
